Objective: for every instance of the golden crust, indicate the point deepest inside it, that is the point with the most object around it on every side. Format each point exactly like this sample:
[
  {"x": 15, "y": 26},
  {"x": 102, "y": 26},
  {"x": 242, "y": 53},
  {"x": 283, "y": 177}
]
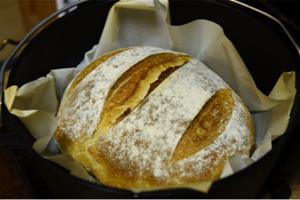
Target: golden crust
[
  {"x": 111, "y": 174},
  {"x": 143, "y": 78},
  {"x": 246, "y": 115},
  {"x": 91, "y": 67},
  {"x": 62, "y": 138},
  {"x": 131, "y": 88},
  {"x": 207, "y": 126},
  {"x": 129, "y": 91}
]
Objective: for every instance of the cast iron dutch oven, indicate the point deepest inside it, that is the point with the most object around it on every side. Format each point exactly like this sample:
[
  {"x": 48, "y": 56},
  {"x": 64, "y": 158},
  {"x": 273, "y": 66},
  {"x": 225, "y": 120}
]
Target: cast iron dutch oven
[{"x": 261, "y": 40}]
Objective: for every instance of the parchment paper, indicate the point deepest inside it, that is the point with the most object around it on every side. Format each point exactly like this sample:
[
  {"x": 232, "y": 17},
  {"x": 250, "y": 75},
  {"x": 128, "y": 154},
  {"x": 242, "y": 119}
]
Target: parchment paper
[{"x": 145, "y": 22}]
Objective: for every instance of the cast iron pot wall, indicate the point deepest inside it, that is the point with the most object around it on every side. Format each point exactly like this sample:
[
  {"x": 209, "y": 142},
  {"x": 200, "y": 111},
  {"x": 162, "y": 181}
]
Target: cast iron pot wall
[{"x": 265, "y": 50}]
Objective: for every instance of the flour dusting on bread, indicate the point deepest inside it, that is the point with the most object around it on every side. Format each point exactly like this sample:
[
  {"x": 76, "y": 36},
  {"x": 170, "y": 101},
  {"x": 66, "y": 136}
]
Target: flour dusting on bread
[{"x": 147, "y": 148}]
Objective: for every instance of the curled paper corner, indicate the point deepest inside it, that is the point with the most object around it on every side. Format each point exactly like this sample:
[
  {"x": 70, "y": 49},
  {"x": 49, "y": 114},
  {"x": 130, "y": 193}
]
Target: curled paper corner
[
  {"x": 227, "y": 170},
  {"x": 286, "y": 84},
  {"x": 262, "y": 150},
  {"x": 284, "y": 92},
  {"x": 9, "y": 96},
  {"x": 239, "y": 162},
  {"x": 37, "y": 122},
  {"x": 23, "y": 98},
  {"x": 35, "y": 104},
  {"x": 202, "y": 186}
]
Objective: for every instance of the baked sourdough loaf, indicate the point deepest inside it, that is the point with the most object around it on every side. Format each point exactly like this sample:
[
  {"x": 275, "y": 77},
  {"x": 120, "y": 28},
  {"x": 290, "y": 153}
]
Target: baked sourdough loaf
[{"x": 144, "y": 118}]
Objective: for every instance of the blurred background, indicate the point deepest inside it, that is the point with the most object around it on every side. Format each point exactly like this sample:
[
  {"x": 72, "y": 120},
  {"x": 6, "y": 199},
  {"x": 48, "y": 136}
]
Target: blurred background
[{"x": 17, "y": 17}]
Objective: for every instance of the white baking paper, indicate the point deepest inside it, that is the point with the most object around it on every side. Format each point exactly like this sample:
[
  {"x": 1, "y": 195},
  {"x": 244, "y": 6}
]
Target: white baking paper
[{"x": 145, "y": 22}]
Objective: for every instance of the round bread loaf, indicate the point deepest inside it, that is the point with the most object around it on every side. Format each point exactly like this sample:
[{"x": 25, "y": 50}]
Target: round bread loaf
[{"x": 144, "y": 118}]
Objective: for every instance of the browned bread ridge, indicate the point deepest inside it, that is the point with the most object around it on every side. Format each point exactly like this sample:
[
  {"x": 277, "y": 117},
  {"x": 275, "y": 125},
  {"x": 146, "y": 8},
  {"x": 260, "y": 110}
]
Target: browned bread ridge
[{"x": 144, "y": 118}]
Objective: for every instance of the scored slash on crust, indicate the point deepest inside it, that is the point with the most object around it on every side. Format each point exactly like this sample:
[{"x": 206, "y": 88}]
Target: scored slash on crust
[
  {"x": 135, "y": 84},
  {"x": 207, "y": 125},
  {"x": 129, "y": 91}
]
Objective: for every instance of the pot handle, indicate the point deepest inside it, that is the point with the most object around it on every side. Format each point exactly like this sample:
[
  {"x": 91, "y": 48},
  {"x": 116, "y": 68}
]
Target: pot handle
[{"x": 8, "y": 41}]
